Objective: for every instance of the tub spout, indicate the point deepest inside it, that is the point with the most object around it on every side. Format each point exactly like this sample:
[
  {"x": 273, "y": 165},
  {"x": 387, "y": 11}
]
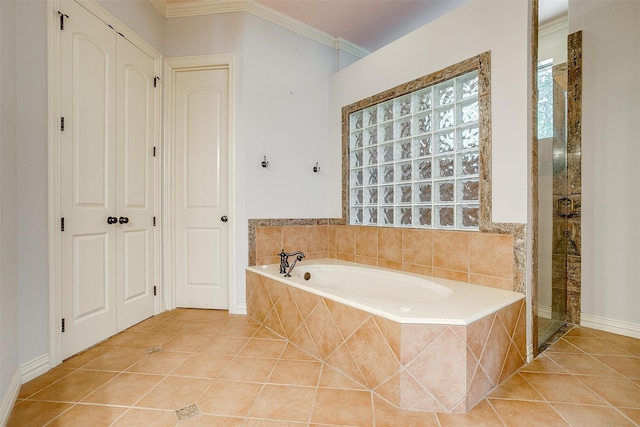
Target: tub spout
[
  {"x": 284, "y": 262},
  {"x": 299, "y": 256}
]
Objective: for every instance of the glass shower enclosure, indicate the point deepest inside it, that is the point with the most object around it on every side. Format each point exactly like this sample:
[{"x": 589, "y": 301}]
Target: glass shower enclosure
[{"x": 555, "y": 206}]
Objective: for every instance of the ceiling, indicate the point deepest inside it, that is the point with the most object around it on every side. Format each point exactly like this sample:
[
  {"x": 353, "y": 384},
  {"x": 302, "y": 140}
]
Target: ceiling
[{"x": 372, "y": 24}]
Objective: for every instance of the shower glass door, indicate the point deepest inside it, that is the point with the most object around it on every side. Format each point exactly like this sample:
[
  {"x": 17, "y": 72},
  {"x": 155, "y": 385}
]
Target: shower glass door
[{"x": 555, "y": 207}]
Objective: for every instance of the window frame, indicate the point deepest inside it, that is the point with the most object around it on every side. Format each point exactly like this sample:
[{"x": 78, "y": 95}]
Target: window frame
[{"x": 481, "y": 63}]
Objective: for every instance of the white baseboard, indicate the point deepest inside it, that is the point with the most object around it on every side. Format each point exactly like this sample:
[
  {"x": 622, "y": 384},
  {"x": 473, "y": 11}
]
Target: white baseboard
[
  {"x": 544, "y": 311},
  {"x": 34, "y": 368},
  {"x": 9, "y": 399},
  {"x": 610, "y": 325},
  {"x": 530, "y": 353},
  {"x": 241, "y": 308}
]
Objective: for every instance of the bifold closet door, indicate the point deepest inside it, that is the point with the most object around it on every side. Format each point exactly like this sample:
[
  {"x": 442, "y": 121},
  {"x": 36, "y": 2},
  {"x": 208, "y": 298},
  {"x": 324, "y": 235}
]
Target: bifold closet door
[
  {"x": 87, "y": 181},
  {"x": 106, "y": 181},
  {"x": 134, "y": 171}
]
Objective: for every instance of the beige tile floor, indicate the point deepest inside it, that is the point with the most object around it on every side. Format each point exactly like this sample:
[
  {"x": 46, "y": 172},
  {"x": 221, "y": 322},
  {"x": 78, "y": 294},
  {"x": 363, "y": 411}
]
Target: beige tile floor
[{"x": 210, "y": 368}]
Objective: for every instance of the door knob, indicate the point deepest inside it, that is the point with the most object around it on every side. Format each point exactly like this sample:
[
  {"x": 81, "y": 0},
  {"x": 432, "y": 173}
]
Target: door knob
[
  {"x": 112, "y": 220},
  {"x": 224, "y": 218},
  {"x": 123, "y": 220}
]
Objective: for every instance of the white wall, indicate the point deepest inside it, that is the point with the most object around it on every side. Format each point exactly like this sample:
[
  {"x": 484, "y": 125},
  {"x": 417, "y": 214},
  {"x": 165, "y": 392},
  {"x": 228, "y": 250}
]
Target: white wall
[
  {"x": 480, "y": 25},
  {"x": 140, "y": 16},
  {"x": 207, "y": 34},
  {"x": 285, "y": 118},
  {"x": 8, "y": 221},
  {"x": 31, "y": 62},
  {"x": 553, "y": 45},
  {"x": 610, "y": 156},
  {"x": 281, "y": 113}
]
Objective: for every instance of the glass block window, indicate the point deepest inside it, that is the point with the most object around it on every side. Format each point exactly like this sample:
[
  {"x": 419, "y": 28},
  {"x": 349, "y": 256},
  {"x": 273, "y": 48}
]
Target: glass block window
[
  {"x": 545, "y": 99},
  {"x": 414, "y": 160}
]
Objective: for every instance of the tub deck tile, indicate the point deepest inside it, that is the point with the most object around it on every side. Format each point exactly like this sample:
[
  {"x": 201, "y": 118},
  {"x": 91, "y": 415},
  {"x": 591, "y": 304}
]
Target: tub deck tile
[
  {"x": 372, "y": 354},
  {"x": 413, "y": 366}
]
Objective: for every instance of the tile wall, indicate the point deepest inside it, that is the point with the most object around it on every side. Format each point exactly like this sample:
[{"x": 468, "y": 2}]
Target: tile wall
[
  {"x": 481, "y": 258},
  {"x": 574, "y": 175}
]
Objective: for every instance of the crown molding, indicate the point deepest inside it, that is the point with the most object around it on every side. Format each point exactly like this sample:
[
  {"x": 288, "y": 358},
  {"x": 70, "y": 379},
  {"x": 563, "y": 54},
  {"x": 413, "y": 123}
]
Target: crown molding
[
  {"x": 160, "y": 5},
  {"x": 352, "y": 48},
  {"x": 211, "y": 7},
  {"x": 202, "y": 7},
  {"x": 558, "y": 24}
]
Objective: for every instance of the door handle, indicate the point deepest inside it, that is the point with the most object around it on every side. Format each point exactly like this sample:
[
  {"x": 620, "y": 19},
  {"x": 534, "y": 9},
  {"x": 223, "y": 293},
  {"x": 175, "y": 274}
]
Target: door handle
[
  {"x": 565, "y": 207},
  {"x": 224, "y": 218},
  {"x": 112, "y": 220},
  {"x": 123, "y": 220}
]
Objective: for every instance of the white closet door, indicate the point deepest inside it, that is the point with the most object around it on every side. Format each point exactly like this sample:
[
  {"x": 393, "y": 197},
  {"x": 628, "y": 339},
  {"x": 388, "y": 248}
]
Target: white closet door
[
  {"x": 107, "y": 181},
  {"x": 87, "y": 182},
  {"x": 134, "y": 171},
  {"x": 201, "y": 147}
]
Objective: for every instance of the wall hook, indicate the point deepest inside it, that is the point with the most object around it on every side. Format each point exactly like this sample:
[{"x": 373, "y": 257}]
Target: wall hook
[
  {"x": 316, "y": 168},
  {"x": 264, "y": 163}
]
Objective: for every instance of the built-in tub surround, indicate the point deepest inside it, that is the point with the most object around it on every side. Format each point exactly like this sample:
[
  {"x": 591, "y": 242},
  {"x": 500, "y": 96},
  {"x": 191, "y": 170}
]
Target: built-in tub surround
[
  {"x": 482, "y": 258},
  {"x": 420, "y": 363}
]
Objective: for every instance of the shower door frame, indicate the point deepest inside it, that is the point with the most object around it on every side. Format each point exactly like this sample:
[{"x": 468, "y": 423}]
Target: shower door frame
[{"x": 573, "y": 194}]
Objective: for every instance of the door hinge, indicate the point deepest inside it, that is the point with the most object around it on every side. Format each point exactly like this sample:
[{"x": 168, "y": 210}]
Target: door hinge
[
  {"x": 155, "y": 81},
  {"x": 155, "y": 291},
  {"x": 154, "y": 151},
  {"x": 154, "y": 221},
  {"x": 62, "y": 123},
  {"x": 63, "y": 324},
  {"x": 62, "y": 224},
  {"x": 62, "y": 16}
]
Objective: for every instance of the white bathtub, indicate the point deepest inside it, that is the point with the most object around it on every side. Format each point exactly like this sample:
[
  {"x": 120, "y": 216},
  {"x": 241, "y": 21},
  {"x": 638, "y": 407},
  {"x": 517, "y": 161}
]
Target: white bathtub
[
  {"x": 421, "y": 343},
  {"x": 398, "y": 296}
]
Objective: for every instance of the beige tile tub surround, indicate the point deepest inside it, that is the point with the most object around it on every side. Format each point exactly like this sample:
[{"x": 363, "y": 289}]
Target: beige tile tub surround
[
  {"x": 481, "y": 258},
  {"x": 416, "y": 367}
]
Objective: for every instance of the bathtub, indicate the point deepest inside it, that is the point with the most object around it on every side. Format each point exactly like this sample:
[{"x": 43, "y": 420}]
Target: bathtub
[{"x": 421, "y": 343}]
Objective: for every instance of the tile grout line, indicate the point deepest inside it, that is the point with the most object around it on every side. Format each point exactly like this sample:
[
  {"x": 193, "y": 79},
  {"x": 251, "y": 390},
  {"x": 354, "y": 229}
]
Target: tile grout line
[
  {"x": 264, "y": 383},
  {"x": 315, "y": 394},
  {"x": 572, "y": 375},
  {"x": 494, "y": 411},
  {"x": 170, "y": 374}
]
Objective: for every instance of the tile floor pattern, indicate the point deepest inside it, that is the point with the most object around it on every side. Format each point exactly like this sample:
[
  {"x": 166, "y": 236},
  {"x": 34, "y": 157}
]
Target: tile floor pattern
[{"x": 210, "y": 368}]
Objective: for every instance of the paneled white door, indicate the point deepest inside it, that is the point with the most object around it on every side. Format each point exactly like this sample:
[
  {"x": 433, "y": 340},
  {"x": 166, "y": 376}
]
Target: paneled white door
[
  {"x": 135, "y": 185},
  {"x": 87, "y": 181},
  {"x": 106, "y": 182},
  {"x": 201, "y": 151}
]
